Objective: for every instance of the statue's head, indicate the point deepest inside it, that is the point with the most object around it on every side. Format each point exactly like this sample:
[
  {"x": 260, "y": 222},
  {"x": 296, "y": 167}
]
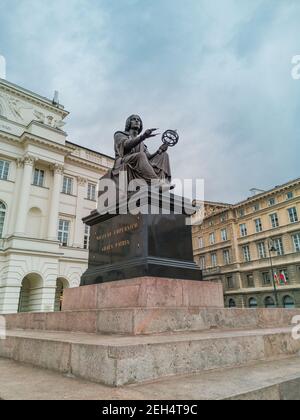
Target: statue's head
[{"x": 134, "y": 122}]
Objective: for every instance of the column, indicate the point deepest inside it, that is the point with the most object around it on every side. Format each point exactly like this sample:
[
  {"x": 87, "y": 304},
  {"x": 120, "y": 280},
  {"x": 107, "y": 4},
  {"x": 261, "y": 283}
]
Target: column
[
  {"x": 79, "y": 226},
  {"x": 17, "y": 189},
  {"x": 24, "y": 193},
  {"x": 54, "y": 206}
]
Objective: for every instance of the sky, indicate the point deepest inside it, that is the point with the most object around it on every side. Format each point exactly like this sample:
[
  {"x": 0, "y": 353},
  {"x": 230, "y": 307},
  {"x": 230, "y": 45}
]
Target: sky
[{"x": 218, "y": 71}]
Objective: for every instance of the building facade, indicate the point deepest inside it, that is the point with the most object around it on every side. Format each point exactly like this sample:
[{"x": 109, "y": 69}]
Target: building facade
[
  {"x": 246, "y": 245},
  {"x": 47, "y": 185}
]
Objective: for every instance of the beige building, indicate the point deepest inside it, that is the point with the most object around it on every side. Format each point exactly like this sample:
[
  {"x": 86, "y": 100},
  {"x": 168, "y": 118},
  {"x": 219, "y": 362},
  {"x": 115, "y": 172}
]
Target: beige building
[
  {"x": 233, "y": 244},
  {"x": 47, "y": 185}
]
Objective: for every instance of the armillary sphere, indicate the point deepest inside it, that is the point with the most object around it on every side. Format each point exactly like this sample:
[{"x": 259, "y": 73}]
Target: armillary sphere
[{"x": 170, "y": 137}]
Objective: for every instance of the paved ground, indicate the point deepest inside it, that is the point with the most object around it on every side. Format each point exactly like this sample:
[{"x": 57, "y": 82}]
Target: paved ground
[{"x": 266, "y": 380}]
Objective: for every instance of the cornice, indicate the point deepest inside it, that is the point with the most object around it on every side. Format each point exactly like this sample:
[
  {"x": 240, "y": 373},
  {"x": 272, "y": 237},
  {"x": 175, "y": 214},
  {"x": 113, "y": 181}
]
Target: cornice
[
  {"x": 31, "y": 138},
  {"x": 268, "y": 193},
  {"x": 86, "y": 163},
  {"x": 253, "y": 200},
  {"x": 28, "y": 137},
  {"x": 10, "y": 137},
  {"x": 48, "y": 127}
]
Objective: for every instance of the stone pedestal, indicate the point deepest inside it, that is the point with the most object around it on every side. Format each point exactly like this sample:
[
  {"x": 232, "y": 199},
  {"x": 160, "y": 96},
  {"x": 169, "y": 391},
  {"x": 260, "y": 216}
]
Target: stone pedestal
[
  {"x": 157, "y": 242},
  {"x": 145, "y": 292}
]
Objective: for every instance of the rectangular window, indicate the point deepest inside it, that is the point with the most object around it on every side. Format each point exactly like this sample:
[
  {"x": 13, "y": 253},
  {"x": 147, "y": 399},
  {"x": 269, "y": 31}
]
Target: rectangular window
[
  {"x": 39, "y": 177},
  {"x": 230, "y": 282},
  {"x": 201, "y": 243},
  {"x": 258, "y": 225},
  {"x": 246, "y": 252},
  {"x": 4, "y": 169},
  {"x": 272, "y": 202},
  {"x": 293, "y": 215},
  {"x": 86, "y": 237},
  {"x": 241, "y": 212},
  {"x": 256, "y": 207},
  {"x": 212, "y": 239},
  {"x": 223, "y": 218},
  {"x": 266, "y": 278},
  {"x": 290, "y": 195},
  {"x": 278, "y": 245},
  {"x": 202, "y": 263},
  {"x": 250, "y": 280},
  {"x": 63, "y": 232},
  {"x": 243, "y": 230},
  {"x": 91, "y": 195},
  {"x": 274, "y": 220},
  {"x": 67, "y": 185},
  {"x": 226, "y": 257},
  {"x": 261, "y": 249},
  {"x": 214, "y": 261},
  {"x": 296, "y": 241},
  {"x": 224, "y": 235}
]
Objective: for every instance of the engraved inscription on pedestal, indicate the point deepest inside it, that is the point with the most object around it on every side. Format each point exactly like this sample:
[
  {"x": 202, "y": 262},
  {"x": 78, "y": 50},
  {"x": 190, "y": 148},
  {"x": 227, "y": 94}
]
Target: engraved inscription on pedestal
[{"x": 115, "y": 240}]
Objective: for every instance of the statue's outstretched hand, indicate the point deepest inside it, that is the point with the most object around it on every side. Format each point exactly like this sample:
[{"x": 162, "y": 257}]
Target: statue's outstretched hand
[{"x": 150, "y": 133}]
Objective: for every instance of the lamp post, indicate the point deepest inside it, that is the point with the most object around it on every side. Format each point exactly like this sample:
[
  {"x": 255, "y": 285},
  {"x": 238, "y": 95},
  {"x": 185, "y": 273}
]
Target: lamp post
[{"x": 272, "y": 248}]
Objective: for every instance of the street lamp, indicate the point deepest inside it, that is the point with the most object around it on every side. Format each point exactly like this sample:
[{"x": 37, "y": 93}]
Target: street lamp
[{"x": 272, "y": 248}]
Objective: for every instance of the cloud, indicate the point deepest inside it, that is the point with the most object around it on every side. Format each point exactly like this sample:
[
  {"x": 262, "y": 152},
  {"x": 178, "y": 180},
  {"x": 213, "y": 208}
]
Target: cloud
[{"x": 219, "y": 72}]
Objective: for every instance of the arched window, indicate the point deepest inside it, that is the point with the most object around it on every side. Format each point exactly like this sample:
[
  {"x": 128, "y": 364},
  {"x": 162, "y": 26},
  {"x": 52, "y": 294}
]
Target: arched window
[
  {"x": 252, "y": 303},
  {"x": 61, "y": 285},
  {"x": 2, "y": 217},
  {"x": 269, "y": 302},
  {"x": 31, "y": 292},
  {"x": 232, "y": 303},
  {"x": 288, "y": 302}
]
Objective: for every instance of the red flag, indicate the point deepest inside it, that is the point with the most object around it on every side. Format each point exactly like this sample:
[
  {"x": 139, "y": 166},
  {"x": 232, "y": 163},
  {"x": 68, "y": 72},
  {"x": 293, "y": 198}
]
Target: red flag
[{"x": 283, "y": 278}]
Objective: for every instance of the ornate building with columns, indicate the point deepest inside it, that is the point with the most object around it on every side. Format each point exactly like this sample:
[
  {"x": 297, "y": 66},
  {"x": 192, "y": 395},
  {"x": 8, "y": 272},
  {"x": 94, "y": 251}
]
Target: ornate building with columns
[{"x": 47, "y": 185}]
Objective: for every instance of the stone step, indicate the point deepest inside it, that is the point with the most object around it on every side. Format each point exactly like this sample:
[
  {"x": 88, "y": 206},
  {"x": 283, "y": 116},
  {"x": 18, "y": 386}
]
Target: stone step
[
  {"x": 121, "y": 360},
  {"x": 271, "y": 380},
  {"x": 140, "y": 321}
]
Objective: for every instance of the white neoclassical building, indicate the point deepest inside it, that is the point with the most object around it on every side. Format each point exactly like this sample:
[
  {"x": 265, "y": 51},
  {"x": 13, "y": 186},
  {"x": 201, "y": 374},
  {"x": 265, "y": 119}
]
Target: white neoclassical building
[{"x": 47, "y": 185}]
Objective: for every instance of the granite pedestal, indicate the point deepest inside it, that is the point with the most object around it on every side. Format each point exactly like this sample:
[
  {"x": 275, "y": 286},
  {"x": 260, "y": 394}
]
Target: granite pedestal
[{"x": 148, "y": 244}]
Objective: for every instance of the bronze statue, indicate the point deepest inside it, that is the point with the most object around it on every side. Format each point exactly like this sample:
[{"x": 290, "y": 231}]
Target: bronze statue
[{"x": 133, "y": 156}]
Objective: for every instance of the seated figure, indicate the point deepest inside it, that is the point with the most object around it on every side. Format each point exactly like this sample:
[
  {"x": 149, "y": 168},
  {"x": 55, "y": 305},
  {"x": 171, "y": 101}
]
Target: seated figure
[{"x": 132, "y": 155}]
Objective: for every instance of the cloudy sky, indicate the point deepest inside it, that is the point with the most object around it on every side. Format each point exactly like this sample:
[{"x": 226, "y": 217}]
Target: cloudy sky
[{"x": 219, "y": 71}]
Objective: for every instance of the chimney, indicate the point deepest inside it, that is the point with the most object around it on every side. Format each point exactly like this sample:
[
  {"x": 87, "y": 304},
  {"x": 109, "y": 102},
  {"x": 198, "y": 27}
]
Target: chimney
[
  {"x": 2, "y": 67},
  {"x": 256, "y": 191},
  {"x": 56, "y": 98}
]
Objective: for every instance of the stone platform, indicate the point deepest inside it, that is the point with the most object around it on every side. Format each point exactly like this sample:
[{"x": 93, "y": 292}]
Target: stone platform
[
  {"x": 123, "y": 360},
  {"x": 147, "y": 321},
  {"x": 147, "y": 329},
  {"x": 277, "y": 380},
  {"x": 145, "y": 292}
]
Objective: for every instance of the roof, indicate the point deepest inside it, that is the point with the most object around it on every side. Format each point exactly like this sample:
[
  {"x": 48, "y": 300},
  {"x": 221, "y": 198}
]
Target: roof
[
  {"x": 32, "y": 95},
  {"x": 268, "y": 192}
]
